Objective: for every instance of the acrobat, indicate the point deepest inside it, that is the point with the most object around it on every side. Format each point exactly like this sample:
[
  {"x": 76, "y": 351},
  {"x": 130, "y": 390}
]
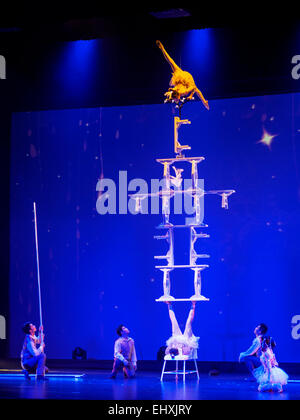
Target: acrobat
[
  {"x": 185, "y": 344},
  {"x": 182, "y": 84},
  {"x": 177, "y": 179}
]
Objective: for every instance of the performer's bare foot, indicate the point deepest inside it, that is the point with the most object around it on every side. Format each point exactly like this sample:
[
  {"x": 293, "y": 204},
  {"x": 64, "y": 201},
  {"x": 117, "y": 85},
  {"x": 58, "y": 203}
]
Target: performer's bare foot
[{"x": 205, "y": 103}]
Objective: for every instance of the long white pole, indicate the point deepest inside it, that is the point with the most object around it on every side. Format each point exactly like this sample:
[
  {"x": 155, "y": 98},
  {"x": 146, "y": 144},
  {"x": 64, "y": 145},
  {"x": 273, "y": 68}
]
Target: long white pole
[{"x": 38, "y": 270}]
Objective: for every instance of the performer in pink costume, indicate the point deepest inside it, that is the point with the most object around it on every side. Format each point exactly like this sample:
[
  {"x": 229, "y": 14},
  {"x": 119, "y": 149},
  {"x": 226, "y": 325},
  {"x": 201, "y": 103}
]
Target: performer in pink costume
[
  {"x": 124, "y": 354},
  {"x": 269, "y": 376},
  {"x": 185, "y": 344}
]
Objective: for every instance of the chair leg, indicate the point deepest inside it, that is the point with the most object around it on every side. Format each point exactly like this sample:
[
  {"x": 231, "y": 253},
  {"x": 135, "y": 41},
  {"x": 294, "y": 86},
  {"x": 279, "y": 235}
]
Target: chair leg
[
  {"x": 196, "y": 366},
  {"x": 163, "y": 371}
]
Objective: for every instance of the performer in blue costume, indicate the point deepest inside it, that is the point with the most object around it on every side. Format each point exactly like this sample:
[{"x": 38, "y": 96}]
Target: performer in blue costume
[{"x": 33, "y": 356}]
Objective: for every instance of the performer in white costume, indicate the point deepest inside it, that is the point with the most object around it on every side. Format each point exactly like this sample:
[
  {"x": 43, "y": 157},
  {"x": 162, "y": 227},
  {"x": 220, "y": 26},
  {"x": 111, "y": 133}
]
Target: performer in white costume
[
  {"x": 185, "y": 344},
  {"x": 124, "y": 354}
]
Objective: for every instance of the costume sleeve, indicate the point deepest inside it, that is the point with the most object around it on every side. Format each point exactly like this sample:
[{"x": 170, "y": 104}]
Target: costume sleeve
[
  {"x": 252, "y": 350},
  {"x": 39, "y": 338},
  {"x": 31, "y": 347},
  {"x": 133, "y": 356},
  {"x": 117, "y": 351}
]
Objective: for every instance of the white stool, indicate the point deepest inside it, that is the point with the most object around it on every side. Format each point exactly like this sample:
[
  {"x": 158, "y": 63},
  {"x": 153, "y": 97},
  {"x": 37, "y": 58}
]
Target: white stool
[{"x": 176, "y": 359}]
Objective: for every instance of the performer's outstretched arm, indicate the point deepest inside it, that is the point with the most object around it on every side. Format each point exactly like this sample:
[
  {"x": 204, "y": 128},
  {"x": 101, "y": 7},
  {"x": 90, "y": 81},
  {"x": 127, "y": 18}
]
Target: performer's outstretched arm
[
  {"x": 172, "y": 63},
  {"x": 252, "y": 349},
  {"x": 188, "y": 326},
  {"x": 41, "y": 335},
  {"x": 175, "y": 327}
]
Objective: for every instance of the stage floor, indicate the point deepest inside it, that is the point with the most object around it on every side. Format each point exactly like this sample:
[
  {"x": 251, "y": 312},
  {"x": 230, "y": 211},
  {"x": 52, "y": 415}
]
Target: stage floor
[{"x": 96, "y": 385}]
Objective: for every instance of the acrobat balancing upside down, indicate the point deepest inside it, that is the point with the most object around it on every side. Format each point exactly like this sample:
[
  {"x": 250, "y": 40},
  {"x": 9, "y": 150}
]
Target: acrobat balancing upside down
[
  {"x": 182, "y": 84},
  {"x": 186, "y": 343}
]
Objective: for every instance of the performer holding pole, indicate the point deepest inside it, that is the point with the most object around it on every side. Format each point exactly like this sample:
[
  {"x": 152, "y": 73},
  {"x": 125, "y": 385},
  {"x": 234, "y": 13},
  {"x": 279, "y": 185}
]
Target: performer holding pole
[{"x": 33, "y": 357}]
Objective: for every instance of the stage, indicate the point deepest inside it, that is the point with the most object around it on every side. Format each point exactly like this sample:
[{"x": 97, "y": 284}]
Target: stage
[
  {"x": 96, "y": 385},
  {"x": 145, "y": 221}
]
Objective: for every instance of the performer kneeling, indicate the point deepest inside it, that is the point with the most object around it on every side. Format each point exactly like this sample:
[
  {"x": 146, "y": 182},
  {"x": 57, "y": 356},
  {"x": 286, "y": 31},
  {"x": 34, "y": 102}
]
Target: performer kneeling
[
  {"x": 33, "y": 356},
  {"x": 265, "y": 369},
  {"x": 185, "y": 344},
  {"x": 124, "y": 354}
]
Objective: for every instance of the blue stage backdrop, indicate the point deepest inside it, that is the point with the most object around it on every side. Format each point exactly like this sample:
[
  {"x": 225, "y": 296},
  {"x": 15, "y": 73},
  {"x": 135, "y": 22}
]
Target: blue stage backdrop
[{"x": 98, "y": 271}]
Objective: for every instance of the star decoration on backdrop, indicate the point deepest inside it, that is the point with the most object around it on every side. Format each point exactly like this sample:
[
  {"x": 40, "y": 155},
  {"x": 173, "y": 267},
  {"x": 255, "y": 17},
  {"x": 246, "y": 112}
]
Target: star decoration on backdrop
[{"x": 267, "y": 138}]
